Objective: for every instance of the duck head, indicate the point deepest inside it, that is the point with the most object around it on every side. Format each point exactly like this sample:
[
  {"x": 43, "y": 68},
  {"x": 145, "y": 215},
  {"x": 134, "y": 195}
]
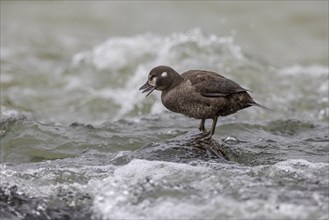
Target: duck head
[{"x": 161, "y": 78}]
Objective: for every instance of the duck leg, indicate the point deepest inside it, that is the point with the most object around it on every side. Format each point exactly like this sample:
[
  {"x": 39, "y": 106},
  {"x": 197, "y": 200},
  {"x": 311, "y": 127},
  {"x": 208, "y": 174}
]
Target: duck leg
[
  {"x": 201, "y": 126},
  {"x": 212, "y": 129}
]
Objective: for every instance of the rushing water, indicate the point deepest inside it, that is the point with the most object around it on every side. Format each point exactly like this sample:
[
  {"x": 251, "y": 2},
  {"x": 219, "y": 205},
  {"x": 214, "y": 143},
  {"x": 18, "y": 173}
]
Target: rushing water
[{"x": 79, "y": 141}]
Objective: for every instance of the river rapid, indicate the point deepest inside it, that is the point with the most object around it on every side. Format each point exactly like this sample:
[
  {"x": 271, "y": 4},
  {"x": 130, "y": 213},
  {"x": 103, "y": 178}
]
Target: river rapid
[{"x": 80, "y": 141}]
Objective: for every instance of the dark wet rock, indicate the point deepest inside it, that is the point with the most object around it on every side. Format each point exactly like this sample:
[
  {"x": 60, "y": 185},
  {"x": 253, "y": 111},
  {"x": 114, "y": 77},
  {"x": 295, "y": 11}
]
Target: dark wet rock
[
  {"x": 192, "y": 147},
  {"x": 64, "y": 205},
  {"x": 77, "y": 125},
  {"x": 182, "y": 149}
]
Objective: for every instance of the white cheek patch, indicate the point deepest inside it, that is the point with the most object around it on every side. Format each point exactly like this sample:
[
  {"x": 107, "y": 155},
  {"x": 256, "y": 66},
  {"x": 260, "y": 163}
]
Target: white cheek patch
[
  {"x": 153, "y": 81},
  {"x": 164, "y": 74}
]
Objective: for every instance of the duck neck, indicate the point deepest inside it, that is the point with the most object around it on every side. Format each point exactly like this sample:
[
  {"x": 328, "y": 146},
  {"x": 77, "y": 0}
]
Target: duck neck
[{"x": 178, "y": 79}]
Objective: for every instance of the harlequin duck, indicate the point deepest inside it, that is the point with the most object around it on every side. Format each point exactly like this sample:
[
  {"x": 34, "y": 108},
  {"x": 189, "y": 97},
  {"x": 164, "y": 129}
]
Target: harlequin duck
[{"x": 198, "y": 94}]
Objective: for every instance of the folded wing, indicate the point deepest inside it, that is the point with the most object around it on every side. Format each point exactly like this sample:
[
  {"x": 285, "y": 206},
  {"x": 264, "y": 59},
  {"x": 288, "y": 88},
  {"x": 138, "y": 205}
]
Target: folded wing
[{"x": 210, "y": 84}]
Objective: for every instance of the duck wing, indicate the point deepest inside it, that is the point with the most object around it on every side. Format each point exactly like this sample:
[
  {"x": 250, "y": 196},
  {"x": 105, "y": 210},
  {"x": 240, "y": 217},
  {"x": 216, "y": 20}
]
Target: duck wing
[{"x": 211, "y": 84}]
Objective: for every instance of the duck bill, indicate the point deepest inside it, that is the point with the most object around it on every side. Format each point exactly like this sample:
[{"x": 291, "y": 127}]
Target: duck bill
[{"x": 147, "y": 88}]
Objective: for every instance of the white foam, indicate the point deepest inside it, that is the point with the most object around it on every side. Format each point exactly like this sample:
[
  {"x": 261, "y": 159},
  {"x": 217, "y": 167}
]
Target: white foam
[
  {"x": 300, "y": 87},
  {"x": 298, "y": 164},
  {"x": 176, "y": 191},
  {"x": 151, "y": 49},
  {"x": 157, "y": 169},
  {"x": 119, "y": 52},
  {"x": 10, "y": 113},
  {"x": 292, "y": 170},
  {"x": 312, "y": 70},
  {"x": 119, "y": 190}
]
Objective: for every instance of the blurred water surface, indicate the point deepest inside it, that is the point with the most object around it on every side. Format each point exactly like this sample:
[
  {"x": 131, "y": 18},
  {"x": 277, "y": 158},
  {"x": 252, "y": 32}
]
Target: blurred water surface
[{"x": 78, "y": 140}]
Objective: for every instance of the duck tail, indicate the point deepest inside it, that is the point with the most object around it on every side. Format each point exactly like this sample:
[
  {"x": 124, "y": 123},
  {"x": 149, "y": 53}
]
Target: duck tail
[{"x": 260, "y": 106}]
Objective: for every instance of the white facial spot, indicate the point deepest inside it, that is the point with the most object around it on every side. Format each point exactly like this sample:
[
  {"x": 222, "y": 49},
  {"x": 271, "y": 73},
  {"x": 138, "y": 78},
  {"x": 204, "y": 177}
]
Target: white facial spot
[
  {"x": 164, "y": 74},
  {"x": 153, "y": 81}
]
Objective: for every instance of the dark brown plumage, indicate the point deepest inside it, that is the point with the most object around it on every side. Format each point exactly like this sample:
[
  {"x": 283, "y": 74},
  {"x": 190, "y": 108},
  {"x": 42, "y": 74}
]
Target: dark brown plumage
[{"x": 198, "y": 94}]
